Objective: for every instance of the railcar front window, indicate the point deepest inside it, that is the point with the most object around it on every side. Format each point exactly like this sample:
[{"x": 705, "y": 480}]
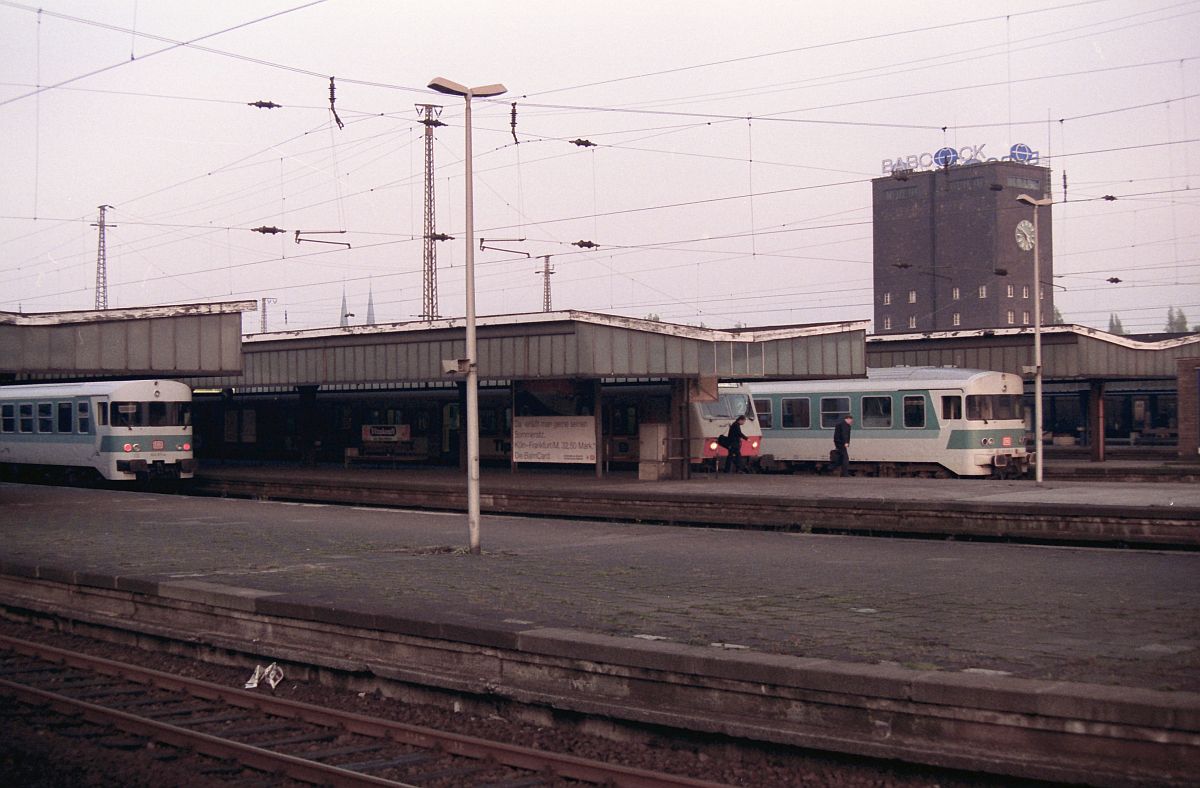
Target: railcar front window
[
  {"x": 992, "y": 407},
  {"x": 125, "y": 414},
  {"x": 150, "y": 414},
  {"x": 951, "y": 407},
  {"x": 729, "y": 406}
]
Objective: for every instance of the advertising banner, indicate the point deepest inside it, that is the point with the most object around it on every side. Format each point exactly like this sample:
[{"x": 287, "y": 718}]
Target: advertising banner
[{"x": 566, "y": 439}]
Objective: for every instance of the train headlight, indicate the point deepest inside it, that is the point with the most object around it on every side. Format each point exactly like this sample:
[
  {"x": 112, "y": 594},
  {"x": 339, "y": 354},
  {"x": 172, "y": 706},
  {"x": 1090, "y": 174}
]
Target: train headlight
[
  {"x": 754, "y": 444},
  {"x": 712, "y": 446},
  {"x": 986, "y": 441}
]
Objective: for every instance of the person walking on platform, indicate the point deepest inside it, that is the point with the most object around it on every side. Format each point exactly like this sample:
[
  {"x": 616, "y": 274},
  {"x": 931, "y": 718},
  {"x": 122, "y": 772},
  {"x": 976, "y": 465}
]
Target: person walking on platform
[
  {"x": 841, "y": 446},
  {"x": 733, "y": 446}
]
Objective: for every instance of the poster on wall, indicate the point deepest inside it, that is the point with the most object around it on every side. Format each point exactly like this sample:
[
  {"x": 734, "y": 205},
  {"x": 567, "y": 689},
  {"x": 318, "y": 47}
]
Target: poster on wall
[{"x": 566, "y": 439}]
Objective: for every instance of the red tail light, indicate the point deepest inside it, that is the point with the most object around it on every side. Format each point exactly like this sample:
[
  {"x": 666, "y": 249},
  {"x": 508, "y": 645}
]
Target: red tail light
[
  {"x": 187, "y": 447},
  {"x": 128, "y": 447}
]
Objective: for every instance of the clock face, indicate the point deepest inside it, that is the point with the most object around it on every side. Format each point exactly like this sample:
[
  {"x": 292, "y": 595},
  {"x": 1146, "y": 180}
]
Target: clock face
[{"x": 1025, "y": 237}]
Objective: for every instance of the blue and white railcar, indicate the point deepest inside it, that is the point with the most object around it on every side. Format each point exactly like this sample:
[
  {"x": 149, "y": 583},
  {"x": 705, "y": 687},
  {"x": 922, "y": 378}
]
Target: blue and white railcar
[
  {"x": 907, "y": 421},
  {"x": 124, "y": 430}
]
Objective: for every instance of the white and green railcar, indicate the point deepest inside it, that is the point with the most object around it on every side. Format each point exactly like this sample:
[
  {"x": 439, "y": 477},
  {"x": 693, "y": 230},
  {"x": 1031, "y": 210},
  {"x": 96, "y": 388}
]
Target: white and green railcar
[
  {"x": 907, "y": 421},
  {"x": 122, "y": 430}
]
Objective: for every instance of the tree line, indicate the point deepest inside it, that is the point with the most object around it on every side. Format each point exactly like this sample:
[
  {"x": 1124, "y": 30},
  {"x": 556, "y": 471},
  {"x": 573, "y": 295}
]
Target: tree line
[{"x": 1177, "y": 323}]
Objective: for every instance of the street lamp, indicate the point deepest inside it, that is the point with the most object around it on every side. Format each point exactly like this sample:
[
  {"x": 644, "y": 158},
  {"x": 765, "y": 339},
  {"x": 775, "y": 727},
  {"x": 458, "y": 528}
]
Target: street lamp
[
  {"x": 1037, "y": 331},
  {"x": 443, "y": 85}
]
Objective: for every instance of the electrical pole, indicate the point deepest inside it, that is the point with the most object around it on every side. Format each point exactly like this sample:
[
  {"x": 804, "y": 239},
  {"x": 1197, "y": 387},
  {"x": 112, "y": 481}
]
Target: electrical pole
[
  {"x": 429, "y": 114},
  {"x": 265, "y": 301},
  {"x": 102, "y": 262},
  {"x": 545, "y": 272}
]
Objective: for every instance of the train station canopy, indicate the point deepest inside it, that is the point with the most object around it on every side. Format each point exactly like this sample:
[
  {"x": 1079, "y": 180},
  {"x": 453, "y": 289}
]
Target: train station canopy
[
  {"x": 157, "y": 341},
  {"x": 543, "y": 345},
  {"x": 1069, "y": 352}
]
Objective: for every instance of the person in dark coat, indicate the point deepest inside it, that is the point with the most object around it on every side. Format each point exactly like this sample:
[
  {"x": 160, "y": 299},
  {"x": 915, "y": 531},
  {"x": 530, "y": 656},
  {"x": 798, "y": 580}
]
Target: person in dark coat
[
  {"x": 841, "y": 446},
  {"x": 733, "y": 458}
]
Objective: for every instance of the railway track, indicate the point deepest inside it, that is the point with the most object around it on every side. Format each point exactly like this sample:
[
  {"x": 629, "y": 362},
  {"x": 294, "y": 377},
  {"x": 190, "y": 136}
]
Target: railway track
[{"x": 261, "y": 734}]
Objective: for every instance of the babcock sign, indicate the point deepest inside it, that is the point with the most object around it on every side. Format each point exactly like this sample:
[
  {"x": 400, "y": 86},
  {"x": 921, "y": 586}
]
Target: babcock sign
[{"x": 964, "y": 156}]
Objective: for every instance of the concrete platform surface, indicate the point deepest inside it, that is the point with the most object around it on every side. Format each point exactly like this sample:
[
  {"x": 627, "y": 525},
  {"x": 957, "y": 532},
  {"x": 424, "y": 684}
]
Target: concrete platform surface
[
  {"x": 1171, "y": 497},
  {"x": 1122, "y": 618}
]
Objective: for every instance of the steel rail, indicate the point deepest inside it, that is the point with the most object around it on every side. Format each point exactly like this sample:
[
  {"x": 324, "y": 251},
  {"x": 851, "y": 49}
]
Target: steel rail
[
  {"x": 217, "y": 747},
  {"x": 515, "y": 756}
]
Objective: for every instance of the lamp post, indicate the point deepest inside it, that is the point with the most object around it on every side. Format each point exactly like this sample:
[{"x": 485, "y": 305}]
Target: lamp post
[
  {"x": 1037, "y": 331},
  {"x": 442, "y": 85}
]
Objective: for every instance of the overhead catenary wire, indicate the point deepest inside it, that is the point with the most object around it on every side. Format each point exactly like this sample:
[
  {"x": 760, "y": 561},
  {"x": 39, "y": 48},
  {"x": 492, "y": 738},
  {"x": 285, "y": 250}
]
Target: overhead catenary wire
[{"x": 595, "y": 215}]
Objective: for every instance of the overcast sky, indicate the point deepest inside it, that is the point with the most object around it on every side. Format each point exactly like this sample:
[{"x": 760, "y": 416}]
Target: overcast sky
[{"x": 729, "y": 181}]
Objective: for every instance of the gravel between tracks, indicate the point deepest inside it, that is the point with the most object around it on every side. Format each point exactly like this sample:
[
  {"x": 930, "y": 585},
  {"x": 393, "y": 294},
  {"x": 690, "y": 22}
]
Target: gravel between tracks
[{"x": 37, "y": 754}]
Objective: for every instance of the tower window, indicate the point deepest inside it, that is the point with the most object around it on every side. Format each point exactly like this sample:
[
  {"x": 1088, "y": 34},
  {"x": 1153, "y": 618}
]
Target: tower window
[
  {"x": 887, "y": 299},
  {"x": 912, "y": 321},
  {"x": 954, "y": 294},
  {"x": 983, "y": 291},
  {"x": 912, "y": 296},
  {"x": 1025, "y": 318},
  {"x": 957, "y": 319},
  {"x": 1011, "y": 290},
  {"x": 1011, "y": 317},
  {"x": 887, "y": 322},
  {"x": 1025, "y": 291}
]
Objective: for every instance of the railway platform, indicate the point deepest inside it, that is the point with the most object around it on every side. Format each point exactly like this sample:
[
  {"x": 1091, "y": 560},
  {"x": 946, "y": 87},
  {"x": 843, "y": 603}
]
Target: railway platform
[
  {"x": 1035, "y": 661},
  {"x": 1137, "y": 501}
]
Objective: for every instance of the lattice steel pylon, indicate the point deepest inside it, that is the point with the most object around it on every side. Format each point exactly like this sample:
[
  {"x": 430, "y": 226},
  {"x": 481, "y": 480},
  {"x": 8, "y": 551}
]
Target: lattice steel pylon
[
  {"x": 265, "y": 301},
  {"x": 102, "y": 262},
  {"x": 429, "y": 114},
  {"x": 545, "y": 272}
]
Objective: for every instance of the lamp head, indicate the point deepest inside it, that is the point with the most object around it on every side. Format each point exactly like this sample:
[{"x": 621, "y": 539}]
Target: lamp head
[
  {"x": 443, "y": 85},
  {"x": 1025, "y": 198}
]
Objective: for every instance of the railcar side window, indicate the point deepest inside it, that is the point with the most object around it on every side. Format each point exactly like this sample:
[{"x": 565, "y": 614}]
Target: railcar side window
[
  {"x": 66, "y": 417},
  {"x": 796, "y": 413},
  {"x": 763, "y": 407},
  {"x": 102, "y": 413},
  {"x": 84, "y": 417},
  {"x": 877, "y": 413},
  {"x": 914, "y": 411},
  {"x": 26, "y": 416},
  {"x": 8, "y": 417},
  {"x": 45, "y": 416},
  {"x": 833, "y": 410},
  {"x": 951, "y": 407}
]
